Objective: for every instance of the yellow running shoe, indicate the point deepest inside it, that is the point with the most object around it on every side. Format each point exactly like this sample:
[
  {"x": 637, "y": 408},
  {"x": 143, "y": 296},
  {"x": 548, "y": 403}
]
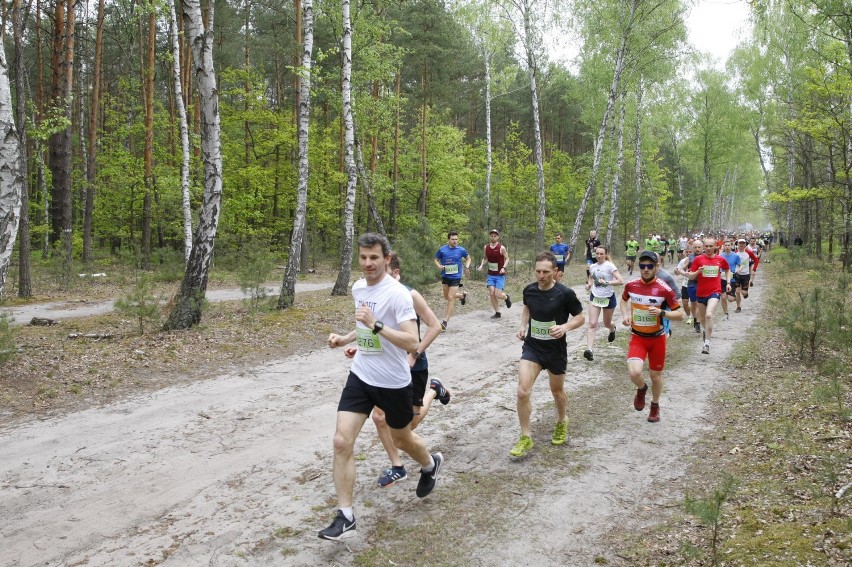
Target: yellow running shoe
[
  {"x": 560, "y": 434},
  {"x": 524, "y": 444}
]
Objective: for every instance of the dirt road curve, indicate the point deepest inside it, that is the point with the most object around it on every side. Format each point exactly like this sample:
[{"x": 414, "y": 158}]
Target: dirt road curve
[
  {"x": 23, "y": 314},
  {"x": 207, "y": 474}
]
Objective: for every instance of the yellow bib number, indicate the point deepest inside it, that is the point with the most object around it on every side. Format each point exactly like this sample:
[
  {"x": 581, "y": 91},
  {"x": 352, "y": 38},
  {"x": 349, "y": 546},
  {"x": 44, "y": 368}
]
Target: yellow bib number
[
  {"x": 642, "y": 318},
  {"x": 368, "y": 343},
  {"x": 451, "y": 269},
  {"x": 541, "y": 329}
]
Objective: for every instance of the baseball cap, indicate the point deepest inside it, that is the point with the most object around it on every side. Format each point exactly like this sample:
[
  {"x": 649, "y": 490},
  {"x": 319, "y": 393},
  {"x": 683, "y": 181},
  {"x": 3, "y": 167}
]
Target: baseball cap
[
  {"x": 650, "y": 254},
  {"x": 741, "y": 240},
  {"x": 494, "y": 231}
]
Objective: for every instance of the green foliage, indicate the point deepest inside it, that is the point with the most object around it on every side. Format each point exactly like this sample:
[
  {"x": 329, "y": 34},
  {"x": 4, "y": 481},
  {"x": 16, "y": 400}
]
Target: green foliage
[
  {"x": 416, "y": 249},
  {"x": 140, "y": 304},
  {"x": 708, "y": 509},
  {"x": 255, "y": 267},
  {"x": 7, "y": 338}
]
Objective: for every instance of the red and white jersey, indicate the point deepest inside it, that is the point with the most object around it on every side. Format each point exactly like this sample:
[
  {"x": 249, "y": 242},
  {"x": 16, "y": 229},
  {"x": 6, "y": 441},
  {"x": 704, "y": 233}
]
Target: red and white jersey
[{"x": 643, "y": 296}]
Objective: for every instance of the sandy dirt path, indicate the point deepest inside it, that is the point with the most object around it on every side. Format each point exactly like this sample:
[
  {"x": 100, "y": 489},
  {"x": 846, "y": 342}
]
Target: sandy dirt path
[
  {"x": 237, "y": 470},
  {"x": 74, "y": 309}
]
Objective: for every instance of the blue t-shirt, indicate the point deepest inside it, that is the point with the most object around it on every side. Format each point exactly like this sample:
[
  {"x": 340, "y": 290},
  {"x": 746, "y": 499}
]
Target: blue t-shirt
[
  {"x": 452, "y": 260},
  {"x": 733, "y": 260},
  {"x": 560, "y": 250}
]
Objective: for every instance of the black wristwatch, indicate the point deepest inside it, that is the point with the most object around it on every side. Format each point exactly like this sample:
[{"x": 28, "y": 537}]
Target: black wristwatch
[
  {"x": 417, "y": 354},
  {"x": 378, "y": 326}
]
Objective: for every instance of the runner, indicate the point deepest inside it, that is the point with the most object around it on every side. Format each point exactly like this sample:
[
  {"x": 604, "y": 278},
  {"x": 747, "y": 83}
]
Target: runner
[
  {"x": 646, "y": 303},
  {"x": 550, "y": 311},
  {"x": 683, "y": 282},
  {"x": 742, "y": 277},
  {"x": 563, "y": 254},
  {"x": 666, "y": 277},
  {"x": 692, "y": 285},
  {"x": 707, "y": 270},
  {"x": 592, "y": 242},
  {"x": 682, "y": 244},
  {"x": 452, "y": 260},
  {"x": 673, "y": 243},
  {"x": 496, "y": 256},
  {"x": 380, "y": 376},
  {"x": 756, "y": 251},
  {"x": 423, "y": 397},
  {"x": 733, "y": 260},
  {"x": 603, "y": 275},
  {"x": 631, "y": 247}
]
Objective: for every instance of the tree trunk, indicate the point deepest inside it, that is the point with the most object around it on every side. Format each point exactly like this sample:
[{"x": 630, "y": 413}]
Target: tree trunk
[
  {"x": 365, "y": 182},
  {"x": 94, "y": 112},
  {"x": 288, "y": 286},
  {"x": 395, "y": 180},
  {"x": 539, "y": 159},
  {"x": 637, "y": 226},
  {"x": 24, "y": 272},
  {"x": 184, "y": 137},
  {"x": 616, "y": 178},
  {"x": 149, "y": 140},
  {"x": 341, "y": 286},
  {"x": 488, "y": 158},
  {"x": 10, "y": 174},
  {"x": 189, "y": 302}
]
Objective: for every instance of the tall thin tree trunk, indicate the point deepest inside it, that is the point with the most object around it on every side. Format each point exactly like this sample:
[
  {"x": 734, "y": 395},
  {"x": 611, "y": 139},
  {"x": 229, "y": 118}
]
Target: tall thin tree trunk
[
  {"x": 616, "y": 178},
  {"x": 184, "y": 136},
  {"x": 395, "y": 180},
  {"x": 24, "y": 272},
  {"x": 488, "y": 158},
  {"x": 94, "y": 113},
  {"x": 149, "y": 140},
  {"x": 10, "y": 174},
  {"x": 637, "y": 227},
  {"x": 189, "y": 302},
  {"x": 288, "y": 286},
  {"x": 365, "y": 182},
  {"x": 341, "y": 286}
]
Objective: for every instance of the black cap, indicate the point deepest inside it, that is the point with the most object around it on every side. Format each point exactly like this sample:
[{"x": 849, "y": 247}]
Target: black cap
[{"x": 649, "y": 254}]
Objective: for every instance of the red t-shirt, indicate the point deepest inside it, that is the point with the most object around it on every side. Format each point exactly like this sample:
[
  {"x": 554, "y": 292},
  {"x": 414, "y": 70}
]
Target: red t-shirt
[
  {"x": 643, "y": 296},
  {"x": 709, "y": 281}
]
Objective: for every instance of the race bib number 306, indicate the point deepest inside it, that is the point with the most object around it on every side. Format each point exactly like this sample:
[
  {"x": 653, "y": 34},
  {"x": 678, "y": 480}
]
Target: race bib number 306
[
  {"x": 368, "y": 343},
  {"x": 541, "y": 329}
]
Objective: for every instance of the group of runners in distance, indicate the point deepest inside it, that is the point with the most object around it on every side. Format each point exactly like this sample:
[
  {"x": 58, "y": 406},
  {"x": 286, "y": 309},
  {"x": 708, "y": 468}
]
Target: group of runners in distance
[{"x": 389, "y": 377}]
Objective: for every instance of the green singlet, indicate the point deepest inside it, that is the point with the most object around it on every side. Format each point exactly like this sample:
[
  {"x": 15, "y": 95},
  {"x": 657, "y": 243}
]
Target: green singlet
[{"x": 632, "y": 248}]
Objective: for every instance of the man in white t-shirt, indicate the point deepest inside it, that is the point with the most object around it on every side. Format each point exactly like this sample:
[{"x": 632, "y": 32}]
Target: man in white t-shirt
[{"x": 386, "y": 331}]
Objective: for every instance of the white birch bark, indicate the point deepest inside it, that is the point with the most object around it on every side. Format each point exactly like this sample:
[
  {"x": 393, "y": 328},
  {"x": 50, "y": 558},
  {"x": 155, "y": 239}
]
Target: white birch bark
[
  {"x": 637, "y": 225},
  {"x": 365, "y": 181},
  {"x": 288, "y": 286},
  {"x": 488, "y": 158},
  {"x": 10, "y": 176},
  {"x": 189, "y": 302},
  {"x": 184, "y": 137},
  {"x": 616, "y": 178},
  {"x": 341, "y": 286},
  {"x": 539, "y": 158}
]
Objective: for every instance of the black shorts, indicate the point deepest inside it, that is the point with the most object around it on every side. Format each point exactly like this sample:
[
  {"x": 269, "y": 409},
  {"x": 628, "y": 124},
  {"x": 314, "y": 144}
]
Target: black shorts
[
  {"x": 684, "y": 292},
  {"x": 419, "y": 380},
  {"x": 452, "y": 282},
  {"x": 741, "y": 280},
  {"x": 359, "y": 397},
  {"x": 631, "y": 258},
  {"x": 560, "y": 267},
  {"x": 555, "y": 364}
]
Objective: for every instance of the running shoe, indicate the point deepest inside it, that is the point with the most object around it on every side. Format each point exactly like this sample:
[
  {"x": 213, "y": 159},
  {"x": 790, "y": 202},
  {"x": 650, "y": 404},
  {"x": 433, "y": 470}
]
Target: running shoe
[
  {"x": 392, "y": 475},
  {"x": 524, "y": 444},
  {"x": 464, "y": 298},
  {"x": 696, "y": 325},
  {"x": 429, "y": 479},
  {"x": 560, "y": 434},
  {"x": 443, "y": 394},
  {"x": 611, "y": 336},
  {"x": 689, "y": 320},
  {"x": 639, "y": 398},
  {"x": 496, "y": 315},
  {"x": 508, "y": 302},
  {"x": 738, "y": 310},
  {"x": 587, "y": 354},
  {"x": 706, "y": 349},
  {"x": 340, "y": 528},
  {"x": 654, "y": 416},
  {"x": 443, "y": 325},
  {"x": 726, "y": 317}
]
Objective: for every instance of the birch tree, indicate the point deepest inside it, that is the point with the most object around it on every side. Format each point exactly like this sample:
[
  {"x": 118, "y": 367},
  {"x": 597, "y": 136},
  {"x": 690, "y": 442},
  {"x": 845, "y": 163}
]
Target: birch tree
[
  {"x": 10, "y": 176},
  {"x": 189, "y": 302},
  {"x": 184, "y": 134},
  {"x": 341, "y": 286},
  {"x": 616, "y": 178},
  {"x": 24, "y": 279},
  {"x": 288, "y": 286}
]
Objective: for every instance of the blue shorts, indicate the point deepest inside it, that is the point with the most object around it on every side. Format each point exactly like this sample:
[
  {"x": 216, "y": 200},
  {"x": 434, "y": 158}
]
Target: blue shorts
[
  {"x": 590, "y": 261},
  {"x": 692, "y": 292},
  {"x": 667, "y": 326},
  {"x": 704, "y": 300},
  {"x": 496, "y": 281},
  {"x": 560, "y": 267},
  {"x": 611, "y": 304}
]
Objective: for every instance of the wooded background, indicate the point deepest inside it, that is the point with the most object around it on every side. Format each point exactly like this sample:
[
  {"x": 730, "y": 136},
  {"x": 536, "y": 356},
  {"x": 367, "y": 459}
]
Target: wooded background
[{"x": 452, "y": 105}]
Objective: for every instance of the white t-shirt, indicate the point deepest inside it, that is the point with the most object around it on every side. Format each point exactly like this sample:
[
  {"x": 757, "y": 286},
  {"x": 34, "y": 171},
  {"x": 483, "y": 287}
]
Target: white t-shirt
[
  {"x": 378, "y": 362},
  {"x": 602, "y": 272},
  {"x": 682, "y": 280},
  {"x": 743, "y": 269}
]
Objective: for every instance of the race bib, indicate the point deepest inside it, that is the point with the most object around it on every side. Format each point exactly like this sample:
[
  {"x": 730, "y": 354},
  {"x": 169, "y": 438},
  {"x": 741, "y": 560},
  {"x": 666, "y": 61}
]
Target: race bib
[
  {"x": 368, "y": 343},
  {"x": 492, "y": 266},
  {"x": 710, "y": 271},
  {"x": 559, "y": 258},
  {"x": 642, "y": 318},
  {"x": 600, "y": 301},
  {"x": 451, "y": 269},
  {"x": 541, "y": 329}
]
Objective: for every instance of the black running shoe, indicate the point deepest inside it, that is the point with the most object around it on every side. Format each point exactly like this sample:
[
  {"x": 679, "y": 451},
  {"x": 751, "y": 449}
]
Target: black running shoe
[
  {"x": 588, "y": 354},
  {"x": 340, "y": 528},
  {"x": 443, "y": 395},
  {"x": 696, "y": 325},
  {"x": 427, "y": 479},
  {"x": 508, "y": 302},
  {"x": 464, "y": 298},
  {"x": 443, "y": 325},
  {"x": 611, "y": 336},
  {"x": 496, "y": 315}
]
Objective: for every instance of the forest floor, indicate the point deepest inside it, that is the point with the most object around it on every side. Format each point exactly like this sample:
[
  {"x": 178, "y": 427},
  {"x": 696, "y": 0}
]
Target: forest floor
[{"x": 213, "y": 447}]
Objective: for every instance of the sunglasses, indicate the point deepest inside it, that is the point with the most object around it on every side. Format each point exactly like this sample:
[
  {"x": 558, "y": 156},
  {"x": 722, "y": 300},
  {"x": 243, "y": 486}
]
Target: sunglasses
[{"x": 647, "y": 266}]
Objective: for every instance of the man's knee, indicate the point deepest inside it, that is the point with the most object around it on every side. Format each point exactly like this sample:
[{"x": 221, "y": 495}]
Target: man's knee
[
  {"x": 379, "y": 419},
  {"x": 342, "y": 444},
  {"x": 524, "y": 392}
]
